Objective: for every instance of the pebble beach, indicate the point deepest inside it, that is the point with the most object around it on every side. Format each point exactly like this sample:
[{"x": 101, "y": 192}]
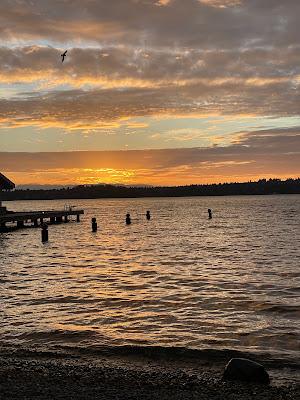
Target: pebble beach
[{"x": 47, "y": 376}]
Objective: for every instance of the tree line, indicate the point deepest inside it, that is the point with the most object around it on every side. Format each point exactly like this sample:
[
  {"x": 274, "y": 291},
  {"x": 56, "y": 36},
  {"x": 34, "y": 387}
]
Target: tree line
[{"x": 261, "y": 187}]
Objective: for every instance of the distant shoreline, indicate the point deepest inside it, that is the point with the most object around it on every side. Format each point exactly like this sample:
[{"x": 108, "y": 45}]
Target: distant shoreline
[
  {"x": 144, "y": 197},
  {"x": 261, "y": 187}
]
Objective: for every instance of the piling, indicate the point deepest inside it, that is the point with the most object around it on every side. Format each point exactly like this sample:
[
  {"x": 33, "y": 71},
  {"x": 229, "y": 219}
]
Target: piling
[
  {"x": 148, "y": 216},
  {"x": 128, "y": 219},
  {"x": 45, "y": 236},
  {"x": 209, "y": 213},
  {"x": 94, "y": 225}
]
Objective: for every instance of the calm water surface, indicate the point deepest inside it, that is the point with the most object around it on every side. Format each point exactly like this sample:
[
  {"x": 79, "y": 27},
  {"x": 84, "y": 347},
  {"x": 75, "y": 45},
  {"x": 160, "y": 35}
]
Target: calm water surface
[{"x": 232, "y": 282}]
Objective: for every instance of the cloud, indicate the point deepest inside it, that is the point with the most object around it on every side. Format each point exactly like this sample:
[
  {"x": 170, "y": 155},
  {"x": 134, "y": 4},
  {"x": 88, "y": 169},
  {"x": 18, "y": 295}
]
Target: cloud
[
  {"x": 190, "y": 23},
  {"x": 111, "y": 84},
  {"x": 222, "y": 60},
  {"x": 222, "y": 3},
  {"x": 116, "y": 67},
  {"x": 98, "y": 109},
  {"x": 158, "y": 58},
  {"x": 251, "y": 154}
]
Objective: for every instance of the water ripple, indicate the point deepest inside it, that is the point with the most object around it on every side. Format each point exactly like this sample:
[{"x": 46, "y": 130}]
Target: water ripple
[{"x": 178, "y": 280}]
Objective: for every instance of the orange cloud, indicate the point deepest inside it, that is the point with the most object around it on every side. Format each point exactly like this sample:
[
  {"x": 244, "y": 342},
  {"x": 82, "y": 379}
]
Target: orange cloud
[
  {"x": 171, "y": 176},
  {"x": 264, "y": 153},
  {"x": 221, "y": 3}
]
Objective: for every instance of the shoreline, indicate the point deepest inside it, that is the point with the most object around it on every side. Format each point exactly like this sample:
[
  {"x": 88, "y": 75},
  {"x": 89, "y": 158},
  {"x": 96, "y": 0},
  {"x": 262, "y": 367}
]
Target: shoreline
[
  {"x": 8, "y": 200},
  {"x": 260, "y": 187},
  {"x": 45, "y": 375}
]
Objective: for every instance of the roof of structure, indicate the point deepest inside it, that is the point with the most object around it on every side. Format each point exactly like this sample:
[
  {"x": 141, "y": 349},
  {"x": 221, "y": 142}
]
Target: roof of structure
[{"x": 5, "y": 183}]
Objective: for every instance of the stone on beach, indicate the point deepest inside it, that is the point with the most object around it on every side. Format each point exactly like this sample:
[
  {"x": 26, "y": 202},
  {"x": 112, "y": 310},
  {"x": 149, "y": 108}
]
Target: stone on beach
[{"x": 242, "y": 369}]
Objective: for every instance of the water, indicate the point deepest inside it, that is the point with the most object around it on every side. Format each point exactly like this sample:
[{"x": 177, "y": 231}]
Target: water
[{"x": 179, "y": 280}]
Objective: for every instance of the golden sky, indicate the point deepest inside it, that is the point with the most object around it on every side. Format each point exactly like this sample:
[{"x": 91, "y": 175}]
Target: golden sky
[{"x": 151, "y": 92}]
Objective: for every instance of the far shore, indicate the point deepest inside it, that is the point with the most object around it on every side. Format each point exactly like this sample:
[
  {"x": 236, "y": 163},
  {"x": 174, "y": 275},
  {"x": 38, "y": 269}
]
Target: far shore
[{"x": 102, "y": 191}]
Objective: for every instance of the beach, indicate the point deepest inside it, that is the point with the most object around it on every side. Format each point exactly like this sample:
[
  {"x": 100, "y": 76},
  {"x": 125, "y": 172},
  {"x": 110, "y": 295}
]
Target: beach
[{"x": 49, "y": 376}]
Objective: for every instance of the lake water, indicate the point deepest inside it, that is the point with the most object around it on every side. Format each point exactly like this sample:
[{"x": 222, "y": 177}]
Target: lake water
[{"x": 178, "y": 280}]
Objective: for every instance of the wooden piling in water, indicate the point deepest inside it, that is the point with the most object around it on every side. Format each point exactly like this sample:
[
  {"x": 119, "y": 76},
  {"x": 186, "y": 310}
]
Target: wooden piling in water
[
  {"x": 94, "y": 225},
  {"x": 45, "y": 236}
]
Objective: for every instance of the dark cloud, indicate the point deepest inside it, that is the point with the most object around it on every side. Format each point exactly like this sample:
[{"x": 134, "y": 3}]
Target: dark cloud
[
  {"x": 113, "y": 63},
  {"x": 237, "y": 71},
  {"x": 254, "y": 81},
  {"x": 258, "y": 149},
  {"x": 178, "y": 23},
  {"x": 93, "y": 109}
]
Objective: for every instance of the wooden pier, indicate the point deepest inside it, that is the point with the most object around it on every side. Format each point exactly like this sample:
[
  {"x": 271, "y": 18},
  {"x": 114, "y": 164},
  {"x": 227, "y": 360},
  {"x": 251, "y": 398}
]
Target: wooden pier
[
  {"x": 36, "y": 218},
  {"x": 10, "y": 220}
]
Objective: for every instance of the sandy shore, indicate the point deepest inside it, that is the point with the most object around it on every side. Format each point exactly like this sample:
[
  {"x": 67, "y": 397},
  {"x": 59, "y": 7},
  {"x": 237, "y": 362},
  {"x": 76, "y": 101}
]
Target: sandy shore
[{"x": 84, "y": 377}]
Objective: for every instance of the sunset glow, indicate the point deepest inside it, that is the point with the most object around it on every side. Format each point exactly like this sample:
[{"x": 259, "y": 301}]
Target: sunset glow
[{"x": 159, "y": 76}]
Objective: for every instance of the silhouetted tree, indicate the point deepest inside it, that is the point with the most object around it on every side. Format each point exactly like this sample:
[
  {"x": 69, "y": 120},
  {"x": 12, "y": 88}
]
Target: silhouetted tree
[{"x": 261, "y": 187}]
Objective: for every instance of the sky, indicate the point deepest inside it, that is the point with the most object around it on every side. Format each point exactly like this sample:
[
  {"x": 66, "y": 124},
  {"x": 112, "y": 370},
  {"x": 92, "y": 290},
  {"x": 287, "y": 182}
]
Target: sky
[{"x": 159, "y": 92}]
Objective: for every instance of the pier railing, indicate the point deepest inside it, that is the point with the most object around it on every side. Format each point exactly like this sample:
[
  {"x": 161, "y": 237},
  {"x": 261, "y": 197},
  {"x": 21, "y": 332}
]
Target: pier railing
[{"x": 38, "y": 217}]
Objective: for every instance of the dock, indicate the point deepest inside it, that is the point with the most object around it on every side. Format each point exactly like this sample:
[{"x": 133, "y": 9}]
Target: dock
[
  {"x": 17, "y": 220},
  {"x": 11, "y": 220}
]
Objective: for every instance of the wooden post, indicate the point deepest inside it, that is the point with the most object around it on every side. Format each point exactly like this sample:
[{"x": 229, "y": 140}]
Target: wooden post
[
  {"x": 78, "y": 218},
  {"x": 94, "y": 225},
  {"x": 128, "y": 219},
  {"x": 35, "y": 223},
  {"x": 20, "y": 224},
  {"x": 66, "y": 219},
  {"x": 45, "y": 236}
]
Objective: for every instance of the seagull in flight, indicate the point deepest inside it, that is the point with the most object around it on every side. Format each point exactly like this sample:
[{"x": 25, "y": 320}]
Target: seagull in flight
[{"x": 63, "y": 56}]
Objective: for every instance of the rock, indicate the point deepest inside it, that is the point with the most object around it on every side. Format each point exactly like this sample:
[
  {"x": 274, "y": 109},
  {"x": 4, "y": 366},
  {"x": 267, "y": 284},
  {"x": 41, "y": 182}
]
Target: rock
[{"x": 242, "y": 369}]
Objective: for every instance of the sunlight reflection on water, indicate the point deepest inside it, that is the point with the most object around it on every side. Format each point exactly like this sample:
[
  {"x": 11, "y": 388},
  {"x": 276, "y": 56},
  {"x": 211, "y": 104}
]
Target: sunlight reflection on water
[{"x": 177, "y": 280}]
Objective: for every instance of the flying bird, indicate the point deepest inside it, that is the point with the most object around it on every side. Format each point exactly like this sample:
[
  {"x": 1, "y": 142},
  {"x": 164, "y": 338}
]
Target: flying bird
[{"x": 63, "y": 56}]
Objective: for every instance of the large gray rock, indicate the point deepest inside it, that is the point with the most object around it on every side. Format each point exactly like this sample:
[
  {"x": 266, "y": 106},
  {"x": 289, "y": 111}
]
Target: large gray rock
[{"x": 242, "y": 369}]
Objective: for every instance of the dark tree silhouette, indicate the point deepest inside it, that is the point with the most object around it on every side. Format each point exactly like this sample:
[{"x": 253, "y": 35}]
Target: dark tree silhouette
[{"x": 261, "y": 187}]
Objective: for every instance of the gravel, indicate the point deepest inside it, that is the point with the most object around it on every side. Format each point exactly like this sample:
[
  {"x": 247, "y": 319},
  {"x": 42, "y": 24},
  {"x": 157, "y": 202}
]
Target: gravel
[{"x": 116, "y": 378}]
